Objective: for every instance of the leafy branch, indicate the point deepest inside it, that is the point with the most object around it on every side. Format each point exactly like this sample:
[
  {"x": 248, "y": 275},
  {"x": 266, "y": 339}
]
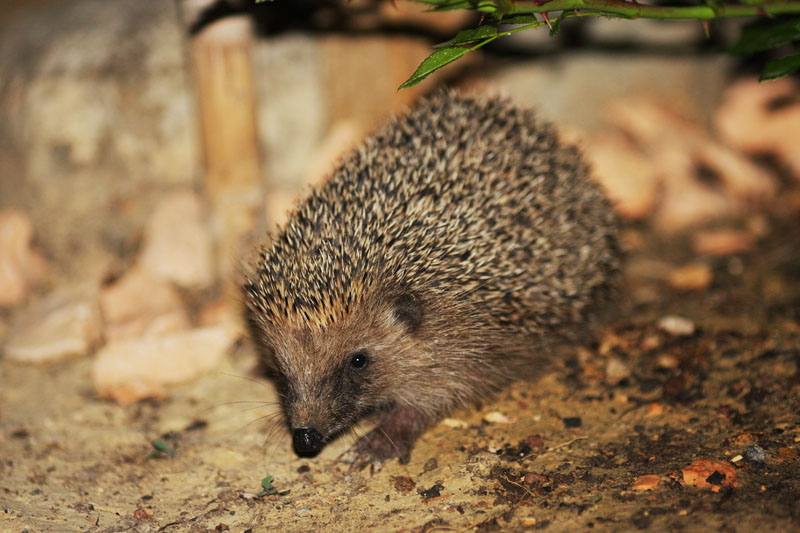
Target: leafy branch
[{"x": 772, "y": 29}]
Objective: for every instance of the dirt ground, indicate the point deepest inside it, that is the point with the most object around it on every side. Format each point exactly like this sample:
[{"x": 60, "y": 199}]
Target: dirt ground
[{"x": 558, "y": 454}]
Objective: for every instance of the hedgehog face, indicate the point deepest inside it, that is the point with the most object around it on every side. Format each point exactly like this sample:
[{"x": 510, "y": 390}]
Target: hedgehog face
[{"x": 331, "y": 375}]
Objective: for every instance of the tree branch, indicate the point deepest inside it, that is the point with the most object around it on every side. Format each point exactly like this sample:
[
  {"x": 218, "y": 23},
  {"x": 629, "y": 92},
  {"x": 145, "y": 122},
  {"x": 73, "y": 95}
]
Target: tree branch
[{"x": 634, "y": 10}]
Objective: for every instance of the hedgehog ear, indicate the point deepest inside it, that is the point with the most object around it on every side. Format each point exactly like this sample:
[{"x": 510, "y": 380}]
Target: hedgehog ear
[{"x": 409, "y": 311}]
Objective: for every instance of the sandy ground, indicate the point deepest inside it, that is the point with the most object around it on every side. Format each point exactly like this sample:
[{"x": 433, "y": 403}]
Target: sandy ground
[{"x": 563, "y": 456}]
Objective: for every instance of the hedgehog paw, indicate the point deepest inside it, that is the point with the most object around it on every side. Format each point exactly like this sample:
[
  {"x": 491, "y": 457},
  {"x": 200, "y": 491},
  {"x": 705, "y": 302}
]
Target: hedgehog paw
[{"x": 393, "y": 437}]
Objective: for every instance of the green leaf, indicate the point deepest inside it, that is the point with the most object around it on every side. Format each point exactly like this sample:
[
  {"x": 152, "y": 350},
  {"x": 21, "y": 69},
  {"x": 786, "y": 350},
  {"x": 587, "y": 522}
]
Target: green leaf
[
  {"x": 485, "y": 6},
  {"x": 555, "y": 25},
  {"x": 433, "y": 62},
  {"x": 161, "y": 447},
  {"x": 519, "y": 19},
  {"x": 767, "y": 34},
  {"x": 778, "y": 68},
  {"x": 469, "y": 36},
  {"x": 267, "y": 482}
]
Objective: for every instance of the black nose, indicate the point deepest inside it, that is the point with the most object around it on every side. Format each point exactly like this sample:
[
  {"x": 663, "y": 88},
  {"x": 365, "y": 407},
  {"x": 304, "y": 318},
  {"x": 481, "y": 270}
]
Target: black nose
[{"x": 307, "y": 441}]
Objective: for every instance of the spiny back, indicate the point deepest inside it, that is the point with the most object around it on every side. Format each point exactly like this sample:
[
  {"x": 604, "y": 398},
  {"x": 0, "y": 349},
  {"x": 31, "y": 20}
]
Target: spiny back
[{"x": 471, "y": 198}]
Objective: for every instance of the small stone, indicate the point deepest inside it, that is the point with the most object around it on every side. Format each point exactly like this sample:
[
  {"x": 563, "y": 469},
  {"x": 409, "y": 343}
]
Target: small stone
[
  {"x": 645, "y": 483},
  {"x": 609, "y": 342},
  {"x": 655, "y": 409},
  {"x": 21, "y": 266},
  {"x": 402, "y": 483},
  {"x": 455, "y": 423},
  {"x": 667, "y": 361},
  {"x": 755, "y": 454},
  {"x": 745, "y": 439},
  {"x": 434, "y": 492},
  {"x": 142, "y": 514},
  {"x": 651, "y": 342},
  {"x": 786, "y": 453},
  {"x": 736, "y": 459},
  {"x": 535, "y": 441},
  {"x": 131, "y": 369},
  {"x": 177, "y": 245},
  {"x": 496, "y": 417},
  {"x": 616, "y": 370},
  {"x": 64, "y": 324},
  {"x": 572, "y": 421},
  {"x": 697, "y": 474},
  {"x": 532, "y": 478},
  {"x": 676, "y": 325},
  {"x": 430, "y": 464},
  {"x": 691, "y": 277},
  {"x": 722, "y": 242}
]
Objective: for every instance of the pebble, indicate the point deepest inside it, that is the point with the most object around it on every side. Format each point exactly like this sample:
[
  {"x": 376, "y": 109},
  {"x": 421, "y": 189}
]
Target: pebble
[
  {"x": 496, "y": 417},
  {"x": 430, "y": 464},
  {"x": 667, "y": 361},
  {"x": 755, "y": 454},
  {"x": 646, "y": 483},
  {"x": 786, "y": 453},
  {"x": 21, "y": 266},
  {"x": 64, "y": 324},
  {"x": 532, "y": 478},
  {"x": 651, "y": 342},
  {"x": 691, "y": 277},
  {"x": 745, "y": 439},
  {"x": 455, "y": 423},
  {"x": 535, "y": 441},
  {"x": 705, "y": 473},
  {"x": 434, "y": 492},
  {"x": 402, "y": 483},
  {"x": 676, "y": 325},
  {"x": 572, "y": 421},
  {"x": 129, "y": 370},
  {"x": 616, "y": 370},
  {"x": 655, "y": 409},
  {"x": 722, "y": 242},
  {"x": 177, "y": 245}
]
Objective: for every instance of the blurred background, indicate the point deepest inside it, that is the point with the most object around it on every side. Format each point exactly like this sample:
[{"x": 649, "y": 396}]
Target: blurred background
[{"x": 106, "y": 107}]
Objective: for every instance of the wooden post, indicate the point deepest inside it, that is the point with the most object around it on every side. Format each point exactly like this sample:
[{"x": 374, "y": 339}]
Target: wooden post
[{"x": 223, "y": 74}]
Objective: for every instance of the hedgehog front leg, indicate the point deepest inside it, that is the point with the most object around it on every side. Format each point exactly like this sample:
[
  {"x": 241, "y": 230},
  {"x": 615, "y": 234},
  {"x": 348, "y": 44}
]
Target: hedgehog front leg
[{"x": 393, "y": 437}]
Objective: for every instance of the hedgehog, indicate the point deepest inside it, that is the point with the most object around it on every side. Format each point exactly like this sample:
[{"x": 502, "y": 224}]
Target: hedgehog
[{"x": 432, "y": 268}]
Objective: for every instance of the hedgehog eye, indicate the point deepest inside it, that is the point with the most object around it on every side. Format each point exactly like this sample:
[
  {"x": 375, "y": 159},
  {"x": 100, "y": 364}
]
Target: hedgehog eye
[{"x": 359, "y": 360}]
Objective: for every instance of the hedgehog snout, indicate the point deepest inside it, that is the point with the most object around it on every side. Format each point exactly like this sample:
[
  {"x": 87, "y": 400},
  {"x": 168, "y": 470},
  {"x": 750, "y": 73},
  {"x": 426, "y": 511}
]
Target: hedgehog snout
[{"x": 307, "y": 442}]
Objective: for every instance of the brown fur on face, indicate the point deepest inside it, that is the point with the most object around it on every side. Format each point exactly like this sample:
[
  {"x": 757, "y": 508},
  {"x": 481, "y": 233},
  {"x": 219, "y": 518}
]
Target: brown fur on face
[
  {"x": 320, "y": 388},
  {"x": 411, "y": 363}
]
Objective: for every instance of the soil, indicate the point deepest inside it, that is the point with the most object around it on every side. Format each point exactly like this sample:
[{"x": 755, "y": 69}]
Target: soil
[{"x": 563, "y": 456}]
